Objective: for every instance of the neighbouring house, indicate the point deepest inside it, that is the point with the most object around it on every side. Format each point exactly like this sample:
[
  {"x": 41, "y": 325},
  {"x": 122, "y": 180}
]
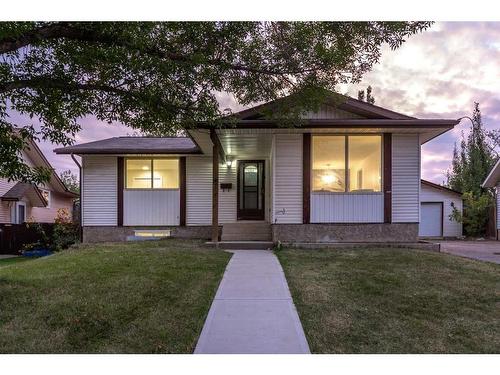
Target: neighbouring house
[
  {"x": 493, "y": 181},
  {"x": 347, "y": 173},
  {"x": 436, "y": 206},
  {"x": 20, "y": 201}
]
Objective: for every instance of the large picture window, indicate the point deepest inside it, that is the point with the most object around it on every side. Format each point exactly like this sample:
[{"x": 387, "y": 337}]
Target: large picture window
[
  {"x": 152, "y": 174},
  {"x": 347, "y": 163}
]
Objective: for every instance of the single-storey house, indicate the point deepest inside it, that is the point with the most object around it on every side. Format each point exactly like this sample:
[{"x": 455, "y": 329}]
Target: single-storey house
[
  {"x": 436, "y": 205},
  {"x": 20, "y": 201},
  {"x": 349, "y": 172},
  {"x": 493, "y": 181}
]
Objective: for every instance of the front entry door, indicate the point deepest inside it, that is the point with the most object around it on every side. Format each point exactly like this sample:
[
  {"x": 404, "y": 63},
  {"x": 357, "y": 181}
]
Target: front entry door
[{"x": 251, "y": 190}]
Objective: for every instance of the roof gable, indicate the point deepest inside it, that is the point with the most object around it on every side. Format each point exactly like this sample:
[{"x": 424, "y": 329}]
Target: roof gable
[
  {"x": 432, "y": 185},
  {"x": 38, "y": 159},
  {"x": 335, "y": 106}
]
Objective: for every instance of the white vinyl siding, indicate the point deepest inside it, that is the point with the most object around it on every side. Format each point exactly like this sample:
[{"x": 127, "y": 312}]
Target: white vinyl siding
[
  {"x": 326, "y": 112},
  {"x": 347, "y": 208},
  {"x": 151, "y": 207},
  {"x": 99, "y": 190},
  {"x": 5, "y": 207},
  {"x": 405, "y": 178},
  {"x": 287, "y": 178},
  {"x": 228, "y": 198},
  {"x": 451, "y": 228},
  {"x": 199, "y": 190}
]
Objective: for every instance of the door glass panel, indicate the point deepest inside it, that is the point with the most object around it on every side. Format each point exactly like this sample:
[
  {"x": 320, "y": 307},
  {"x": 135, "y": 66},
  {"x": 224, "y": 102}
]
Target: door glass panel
[
  {"x": 250, "y": 181},
  {"x": 251, "y": 175},
  {"x": 250, "y": 200}
]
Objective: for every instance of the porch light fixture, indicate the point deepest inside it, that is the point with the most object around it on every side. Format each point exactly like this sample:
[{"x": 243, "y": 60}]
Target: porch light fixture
[{"x": 229, "y": 162}]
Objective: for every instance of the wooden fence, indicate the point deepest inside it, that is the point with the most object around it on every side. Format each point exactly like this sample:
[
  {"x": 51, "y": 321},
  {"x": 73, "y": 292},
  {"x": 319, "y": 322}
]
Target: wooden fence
[{"x": 14, "y": 236}]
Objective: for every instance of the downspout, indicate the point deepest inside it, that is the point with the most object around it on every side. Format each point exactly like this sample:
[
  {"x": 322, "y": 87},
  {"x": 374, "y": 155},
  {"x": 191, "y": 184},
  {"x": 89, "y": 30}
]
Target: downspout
[{"x": 80, "y": 229}]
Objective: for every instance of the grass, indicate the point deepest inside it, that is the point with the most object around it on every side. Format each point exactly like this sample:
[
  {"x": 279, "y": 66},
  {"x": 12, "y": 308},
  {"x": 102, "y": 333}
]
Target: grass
[
  {"x": 394, "y": 301},
  {"x": 144, "y": 297},
  {"x": 8, "y": 261}
]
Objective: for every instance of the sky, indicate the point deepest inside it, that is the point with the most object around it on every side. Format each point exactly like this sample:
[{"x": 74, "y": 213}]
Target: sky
[{"x": 439, "y": 73}]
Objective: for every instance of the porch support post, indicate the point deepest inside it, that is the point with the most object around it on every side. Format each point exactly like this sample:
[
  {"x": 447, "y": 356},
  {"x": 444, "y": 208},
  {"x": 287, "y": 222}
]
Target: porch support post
[
  {"x": 182, "y": 183},
  {"x": 306, "y": 175},
  {"x": 387, "y": 179},
  {"x": 215, "y": 186},
  {"x": 120, "y": 185}
]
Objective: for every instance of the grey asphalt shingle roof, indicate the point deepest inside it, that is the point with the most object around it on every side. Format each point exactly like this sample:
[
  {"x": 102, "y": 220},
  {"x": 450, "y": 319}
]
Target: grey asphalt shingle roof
[
  {"x": 20, "y": 190},
  {"x": 134, "y": 145}
]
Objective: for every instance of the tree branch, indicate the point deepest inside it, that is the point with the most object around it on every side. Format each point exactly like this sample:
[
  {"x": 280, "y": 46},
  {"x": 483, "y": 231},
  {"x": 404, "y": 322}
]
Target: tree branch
[
  {"x": 50, "y": 83},
  {"x": 63, "y": 30}
]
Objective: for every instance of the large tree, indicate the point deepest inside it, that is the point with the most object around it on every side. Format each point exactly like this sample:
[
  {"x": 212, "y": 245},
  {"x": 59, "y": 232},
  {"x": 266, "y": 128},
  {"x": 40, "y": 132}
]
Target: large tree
[
  {"x": 472, "y": 161},
  {"x": 164, "y": 76}
]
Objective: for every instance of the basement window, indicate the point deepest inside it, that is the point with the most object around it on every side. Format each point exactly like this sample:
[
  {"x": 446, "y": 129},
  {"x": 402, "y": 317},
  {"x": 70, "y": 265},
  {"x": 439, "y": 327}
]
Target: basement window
[{"x": 154, "y": 233}]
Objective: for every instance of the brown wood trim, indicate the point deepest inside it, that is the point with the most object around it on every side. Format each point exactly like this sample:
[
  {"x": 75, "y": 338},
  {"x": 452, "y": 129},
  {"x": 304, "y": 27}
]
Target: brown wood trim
[
  {"x": 216, "y": 141},
  {"x": 215, "y": 185},
  {"x": 352, "y": 123},
  {"x": 182, "y": 187},
  {"x": 120, "y": 188},
  {"x": 306, "y": 178},
  {"x": 387, "y": 178}
]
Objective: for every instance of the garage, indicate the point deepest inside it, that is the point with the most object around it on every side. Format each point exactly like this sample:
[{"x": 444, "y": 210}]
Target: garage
[
  {"x": 431, "y": 219},
  {"x": 436, "y": 205}
]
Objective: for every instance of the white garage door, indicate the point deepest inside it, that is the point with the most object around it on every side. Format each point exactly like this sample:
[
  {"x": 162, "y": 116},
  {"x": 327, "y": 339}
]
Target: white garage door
[{"x": 431, "y": 219}]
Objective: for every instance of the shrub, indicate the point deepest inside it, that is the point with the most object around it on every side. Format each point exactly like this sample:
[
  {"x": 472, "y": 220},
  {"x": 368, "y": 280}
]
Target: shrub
[
  {"x": 475, "y": 215},
  {"x": 64, "y": 233}
]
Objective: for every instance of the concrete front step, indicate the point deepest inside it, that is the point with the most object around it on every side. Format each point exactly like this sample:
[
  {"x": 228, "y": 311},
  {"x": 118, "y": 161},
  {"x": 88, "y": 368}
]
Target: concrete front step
[
  {"x": 246, "y": 237},
  {"x": 246, "y": 231},
  {"x": 242, "y": 245}
]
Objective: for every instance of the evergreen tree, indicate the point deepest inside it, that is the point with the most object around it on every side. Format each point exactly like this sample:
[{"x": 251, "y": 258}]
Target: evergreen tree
[
  {"x": 470, "y": 166},
  {"x": 369, "y": 97},
  {"x": 473, "y": 162}
]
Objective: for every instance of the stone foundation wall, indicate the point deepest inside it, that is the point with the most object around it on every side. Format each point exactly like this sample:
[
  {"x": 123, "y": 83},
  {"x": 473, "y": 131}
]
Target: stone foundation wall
[
  {"x": 119, "y": 234},
  {"x": 334, "y": 233}
]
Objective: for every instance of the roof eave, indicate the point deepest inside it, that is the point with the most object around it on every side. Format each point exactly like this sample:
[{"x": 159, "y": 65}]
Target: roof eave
[
  {"x": 436, "y": 186},
  {"x": 355, "y": 123},
  {"x": 69, "y": 151},
  {"x": 493, "y": 177}
]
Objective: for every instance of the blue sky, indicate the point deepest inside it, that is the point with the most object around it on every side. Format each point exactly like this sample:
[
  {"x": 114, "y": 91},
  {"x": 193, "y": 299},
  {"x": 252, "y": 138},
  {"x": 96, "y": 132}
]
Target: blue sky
[{"x": 436, "y": 74}]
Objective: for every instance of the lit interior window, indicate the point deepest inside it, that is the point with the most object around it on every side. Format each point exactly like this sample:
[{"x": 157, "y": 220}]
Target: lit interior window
[
  {"x": 363, "y": 163},
  {"x": 152, "y": 233},
  {"x": 138, "y": 173},
  {"x": 328, "y": 169},
  {"x": 152, "y": 173},
  {"x": 165, "y": 173}
]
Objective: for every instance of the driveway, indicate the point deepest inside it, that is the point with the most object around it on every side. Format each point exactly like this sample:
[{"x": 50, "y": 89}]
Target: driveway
[
  {"x": 481, "y": 250},
  {"x": 253, "y": 311}
]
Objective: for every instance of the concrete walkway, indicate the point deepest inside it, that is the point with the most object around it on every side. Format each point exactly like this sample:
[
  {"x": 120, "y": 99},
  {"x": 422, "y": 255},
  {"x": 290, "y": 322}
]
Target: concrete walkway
[{"x": 253, "y": 311}]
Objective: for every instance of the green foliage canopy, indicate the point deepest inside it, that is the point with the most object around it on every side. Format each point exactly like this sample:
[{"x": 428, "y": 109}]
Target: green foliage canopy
[{"x": 160, "y": 77}]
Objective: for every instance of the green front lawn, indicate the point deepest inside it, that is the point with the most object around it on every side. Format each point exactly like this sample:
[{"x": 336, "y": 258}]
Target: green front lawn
[
  {"x": 8, "y": 261},
  {"x": 394, "y": 301},
  {"x": 143, "y": 297}
]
